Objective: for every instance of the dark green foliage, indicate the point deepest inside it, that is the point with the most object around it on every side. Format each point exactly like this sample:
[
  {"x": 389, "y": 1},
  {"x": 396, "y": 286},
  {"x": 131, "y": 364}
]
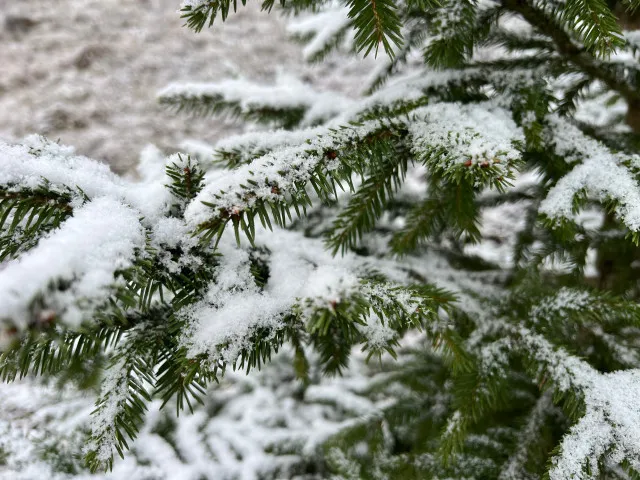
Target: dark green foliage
[
  {"x": 134, "y": 341},
  {"x": 352, "y": 156},
  {"x": 387, "y": 167},
  {"x": 186, "y": 179},
  {"x": 51, "y": 353},
  {"x": 456, "y": 38},
  {"x": 596, "y": 24},
  {"x": 131, "y": 371},
  {"x": 376, "y": 23},
  {"x": 25, "y": 215}
]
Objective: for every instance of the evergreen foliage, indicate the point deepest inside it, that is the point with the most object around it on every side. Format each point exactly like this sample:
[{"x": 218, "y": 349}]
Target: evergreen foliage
[{"x": 509, "y": 368}]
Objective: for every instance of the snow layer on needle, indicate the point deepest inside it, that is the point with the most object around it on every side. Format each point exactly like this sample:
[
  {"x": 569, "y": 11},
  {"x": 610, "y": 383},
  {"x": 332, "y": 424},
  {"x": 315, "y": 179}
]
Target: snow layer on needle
[
  {"x": 475, "y": 133},
  {"x": 222, "y": 323},
  {"x": 570, "y": 143},
  {"x": 149, "y": 193},
  {"x": 283, "y": 167},
  {"x": 610, "y": 423},
  {"x": 249, "y": 145},
  {"x": 88, "y": 248},
  {"x": 378, "y": 333},
  {"x": 251, "y": 426},
  {"x": 563, "y": 303},
  {"x": 27, "y": 166},
  {"x": 602, "y": 178},
  {"x": 268, "y": 140},
  {"x": 115, "y": 391},
  {"x": 609, "y": 426},
  {"x": 288, "y": 93},
  {"x": 601, "y": 175}
]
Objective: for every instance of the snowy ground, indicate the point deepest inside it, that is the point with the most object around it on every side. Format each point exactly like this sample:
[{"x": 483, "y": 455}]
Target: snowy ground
[{"x": 87, "y": 71}]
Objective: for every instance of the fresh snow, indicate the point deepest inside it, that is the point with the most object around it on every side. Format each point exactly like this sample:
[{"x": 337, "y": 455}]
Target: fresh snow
[
  {"x": 27, "y": 166},
  {"x": 599, "y": 174},
  {"x": 468, "y": 134},
  {"x": 299, "y": 268},
  {"x": 88, "y": 249}
]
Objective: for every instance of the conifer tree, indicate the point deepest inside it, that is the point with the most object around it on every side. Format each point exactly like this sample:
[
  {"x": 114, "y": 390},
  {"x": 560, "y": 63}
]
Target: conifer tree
[{"x": 362, "y": 225}]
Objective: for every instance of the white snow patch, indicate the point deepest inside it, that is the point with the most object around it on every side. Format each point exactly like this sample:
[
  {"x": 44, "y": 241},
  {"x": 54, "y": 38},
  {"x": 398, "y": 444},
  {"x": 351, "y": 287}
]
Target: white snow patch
[{"x": 88, "y": 248}]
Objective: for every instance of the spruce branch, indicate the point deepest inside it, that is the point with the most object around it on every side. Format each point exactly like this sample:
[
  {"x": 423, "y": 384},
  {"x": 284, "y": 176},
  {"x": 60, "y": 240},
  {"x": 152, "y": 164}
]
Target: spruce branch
[
  {"x": 455, "y": 37},
  {"x": 376, "y": 23},
  {"x": 215, "y": 104},
  {"x": 269, "y": 189},
  {"x": 49, "y": 353},
  {"x": 565, "y": 46},
  {"x": 529, "y": 440},
  {"x": 121, "y": 407},
  {"x": 595, "y": 23},
  {"x": 383, "y": 177},
  {"x": 26, "y": 215},
  {"x": 288, "y": 104},
  {"x": 166, "y": 304}
]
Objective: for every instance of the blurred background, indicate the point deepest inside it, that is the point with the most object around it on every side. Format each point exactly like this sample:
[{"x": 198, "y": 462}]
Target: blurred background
[{"x": 86, "y": 72}]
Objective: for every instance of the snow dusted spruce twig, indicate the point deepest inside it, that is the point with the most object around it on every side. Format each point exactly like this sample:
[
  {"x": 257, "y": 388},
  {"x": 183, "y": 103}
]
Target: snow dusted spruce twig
[
  {"x": 608, "y": 402},
  {"x": 276, "y": 182},
  {"x": 599, "y": 173},
  {"x": 289, "y": 103},
  {"x": 272, "y": 185}
]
